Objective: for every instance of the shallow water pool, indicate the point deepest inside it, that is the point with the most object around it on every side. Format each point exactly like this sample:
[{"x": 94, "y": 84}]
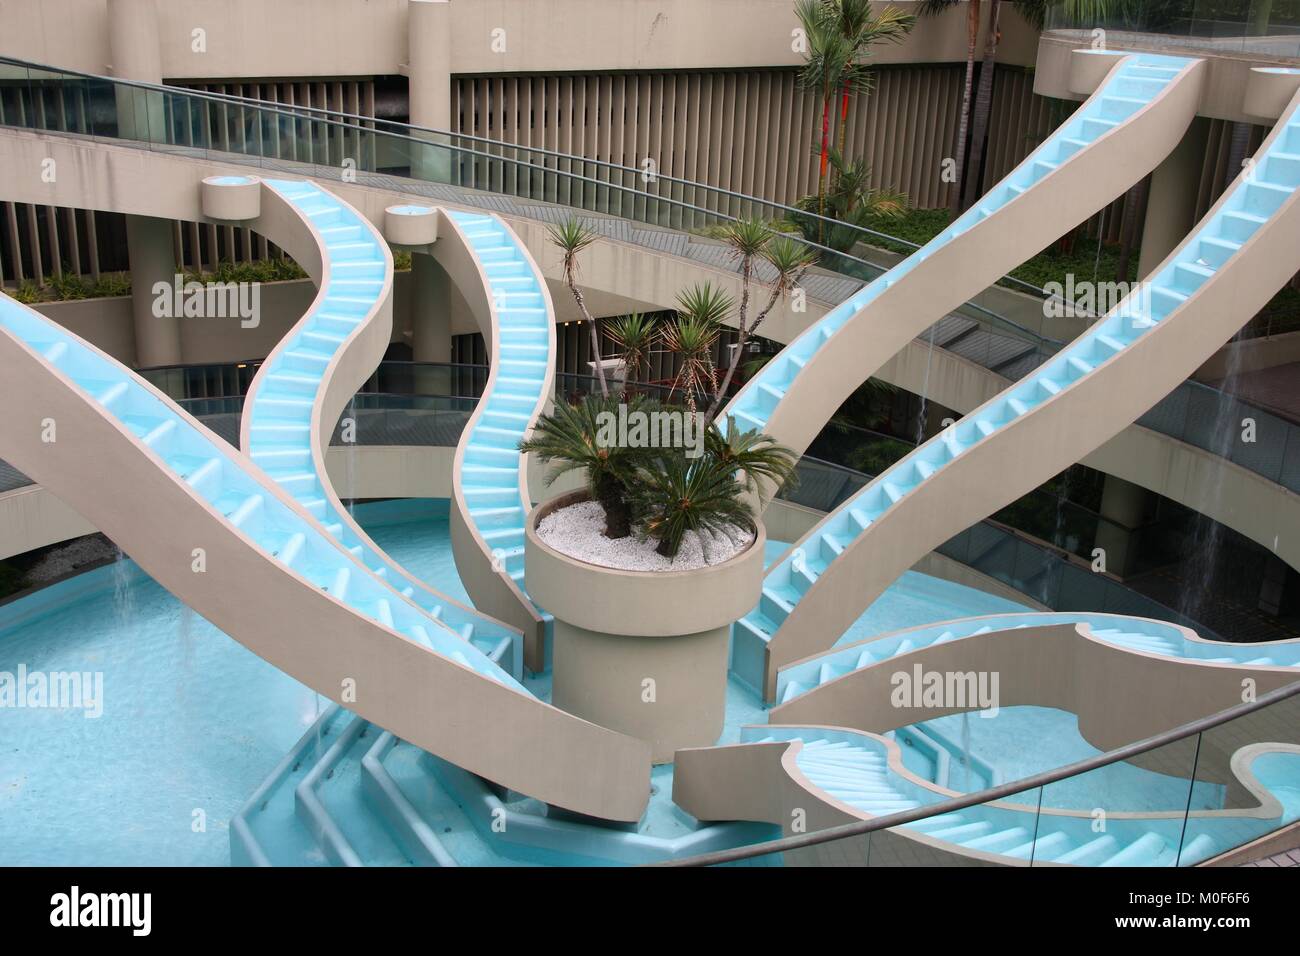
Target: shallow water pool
[{"x": 192, "y": 722}]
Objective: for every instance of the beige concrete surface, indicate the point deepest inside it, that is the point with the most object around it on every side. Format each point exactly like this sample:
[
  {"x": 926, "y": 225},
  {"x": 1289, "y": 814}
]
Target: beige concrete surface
[
  {"x": 486, "y": 580},
  {"x": 306, "y": 38},
  {"x": 1022, "y": 454},
  {"x": 139, "y": 181},
  {"x": 962, "y": 267},
  {"x": 99, "y": 466}
]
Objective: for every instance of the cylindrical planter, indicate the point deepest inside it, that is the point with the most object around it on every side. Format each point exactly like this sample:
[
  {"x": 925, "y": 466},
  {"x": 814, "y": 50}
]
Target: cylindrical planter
[{"x": 641, "y": 652}]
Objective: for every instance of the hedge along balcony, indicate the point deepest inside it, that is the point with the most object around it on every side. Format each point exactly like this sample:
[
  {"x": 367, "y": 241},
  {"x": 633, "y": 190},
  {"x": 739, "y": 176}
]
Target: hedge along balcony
[{"x": 616, "y": 631}]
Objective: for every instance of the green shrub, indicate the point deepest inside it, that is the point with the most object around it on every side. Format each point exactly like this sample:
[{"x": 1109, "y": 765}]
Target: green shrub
[{"x": 660, "y": 492}]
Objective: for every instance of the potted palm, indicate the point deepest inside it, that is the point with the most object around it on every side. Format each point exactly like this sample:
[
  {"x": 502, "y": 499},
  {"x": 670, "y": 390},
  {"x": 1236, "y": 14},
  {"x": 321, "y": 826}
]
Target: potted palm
[
  {"x": 692, "y": 334},
  {"x": 635, "y": 335},
  {"x": 641, "y": 645}
]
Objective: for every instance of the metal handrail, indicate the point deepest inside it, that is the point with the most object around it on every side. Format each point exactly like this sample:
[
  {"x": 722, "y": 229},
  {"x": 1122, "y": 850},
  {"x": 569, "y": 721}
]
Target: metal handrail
[
  {"x": 1039, "y": 544},
  {"x": 993, "y": 318},
  {"x": 1011, "y": 789},
  {"x": 986, "y": 315},
  {"x": 335, "y": 117}
]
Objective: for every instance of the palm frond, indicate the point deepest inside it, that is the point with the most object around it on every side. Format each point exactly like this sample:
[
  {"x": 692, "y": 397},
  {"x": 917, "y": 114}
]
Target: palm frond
[
  {"x": 684, "y": 495},
  {"x": 747, "y": 237},
  {"x": 705, "y": 302},
  {"x": 753, "y": 454}
]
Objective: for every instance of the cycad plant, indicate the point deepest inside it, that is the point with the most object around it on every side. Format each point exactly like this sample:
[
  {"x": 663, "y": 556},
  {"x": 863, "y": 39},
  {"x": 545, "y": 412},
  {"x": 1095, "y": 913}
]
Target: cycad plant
[
  {"x": 692, "y": 334},
  {"x": 674, "y": 494},
  {"x": 635, "y": 335},
  {"x": 680, "y": 495},
  {"x": 754, "y": 457},
  {"x": 571, "y": 237},
  {"x": 852, "y": 200},
  {"x": 568, "y": 439}
]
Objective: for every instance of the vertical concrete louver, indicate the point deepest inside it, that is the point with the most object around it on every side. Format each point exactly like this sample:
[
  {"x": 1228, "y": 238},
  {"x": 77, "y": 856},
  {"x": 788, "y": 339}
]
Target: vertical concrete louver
[{"x": 749, "y": 131}]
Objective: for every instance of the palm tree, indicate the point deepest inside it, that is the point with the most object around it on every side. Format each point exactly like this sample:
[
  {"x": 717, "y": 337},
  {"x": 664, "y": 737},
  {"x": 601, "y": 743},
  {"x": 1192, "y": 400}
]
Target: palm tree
[
  {"x": 635, "y": 335},
  {"x": 747, "y": 238},
  {"x": 684, "y": 495},
  {"x": 790, "y": 260},
  {"x": 692, "y": 334},
  {"x": 861, "y": 31},
  {"x": 975, "y": 115},
  {"x": 932, "y": 8},
  {"x": 568, "y": 439},
  {"x": 755, "y": 455},
  {"x": 825, "y": 70},
  {"x": 840, "y": 35},
  {"x": 982, "y": 108},
  {"x": 571, "y": 237}
]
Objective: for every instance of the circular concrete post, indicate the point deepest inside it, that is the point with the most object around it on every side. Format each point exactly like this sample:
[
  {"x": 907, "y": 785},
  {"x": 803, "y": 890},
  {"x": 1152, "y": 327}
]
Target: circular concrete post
[
  {"x": 641, "y": 652},
  {"x": 1269, "y": 91},
  {"x": 410, "y": 224},
  {"x": 1089, "y": 67},
  {"x": 231, "y": 198}
]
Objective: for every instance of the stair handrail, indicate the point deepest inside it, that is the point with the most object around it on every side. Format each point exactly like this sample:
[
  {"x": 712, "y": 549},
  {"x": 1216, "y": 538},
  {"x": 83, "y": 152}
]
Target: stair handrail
[
  {"x": 336, "y": 117},
  {"x": 1014, "y": 787}
]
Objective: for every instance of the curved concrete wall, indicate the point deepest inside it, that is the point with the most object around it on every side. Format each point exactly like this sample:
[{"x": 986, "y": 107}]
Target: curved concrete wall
[
  {"x": 1120, "y": 695},
  {"x": 141, "y": 182},
  {"x": 487, "y": 577},
  {"x": 351, "y": 363},
  {"x": 765, "y": 781},
  {"x": 1052, "y": 435},
  {"x": 1225, "y": 88},
  {"x": 959, "y": 265},
  {"x": 440, "y": 705}
]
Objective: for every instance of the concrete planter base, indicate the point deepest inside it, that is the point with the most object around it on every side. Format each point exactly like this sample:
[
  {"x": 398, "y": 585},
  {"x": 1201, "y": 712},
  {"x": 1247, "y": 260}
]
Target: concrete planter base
[
  {"x": 669, "y": 691},
  {"x": 641, "y": 652}
]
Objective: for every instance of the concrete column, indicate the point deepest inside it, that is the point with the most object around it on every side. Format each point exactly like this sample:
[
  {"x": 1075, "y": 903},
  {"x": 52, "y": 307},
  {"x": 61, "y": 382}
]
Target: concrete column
[
  {"x": 431, "y": 298},
  {"x": 429, "y": 80},
  {"x": 1171, "y": 203},
  {"x": 153, "y": 259},
  {"x": 134, "y": 54},
  {"x": 430, "y": 310},
  {"x": 1123, "y": 504}
]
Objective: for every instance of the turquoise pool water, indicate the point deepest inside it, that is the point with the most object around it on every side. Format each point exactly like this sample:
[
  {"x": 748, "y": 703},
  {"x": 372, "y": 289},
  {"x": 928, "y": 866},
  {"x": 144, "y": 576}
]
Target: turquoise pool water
[
  {"x": 999, "y": 742},
  {"x": 192, "y": 722}
]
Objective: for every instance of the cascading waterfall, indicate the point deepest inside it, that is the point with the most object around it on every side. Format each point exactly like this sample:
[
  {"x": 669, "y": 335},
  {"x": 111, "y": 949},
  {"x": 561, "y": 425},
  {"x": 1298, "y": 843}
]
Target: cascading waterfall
[
  {"x": 123, "y": 596},
  {"x": 1225, "y": 431}
]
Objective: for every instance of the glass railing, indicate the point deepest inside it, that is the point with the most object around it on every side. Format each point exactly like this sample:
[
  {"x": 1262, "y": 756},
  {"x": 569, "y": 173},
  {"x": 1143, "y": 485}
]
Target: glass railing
[
  {"x": 1040, "y": 545},
  {"x": 843, "y": 459},
  {"x": 627, "y": 182},
  {"x": 1181, "y": 797},
  {"x": 1247, "y": 435},
  {"x": 1046, "y": 555},
  {"x": 310, "y": 143},
  {"x": 1269, "y": 29},
  {"x": 428, "y": 163}
]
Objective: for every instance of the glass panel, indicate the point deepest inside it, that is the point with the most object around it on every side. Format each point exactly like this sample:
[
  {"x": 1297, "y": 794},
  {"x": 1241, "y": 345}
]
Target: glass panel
[
  {"x": 1129, "y": 813},
  {"x": 1009, "y": 336},
  {"x": 1252, "y": 766}
]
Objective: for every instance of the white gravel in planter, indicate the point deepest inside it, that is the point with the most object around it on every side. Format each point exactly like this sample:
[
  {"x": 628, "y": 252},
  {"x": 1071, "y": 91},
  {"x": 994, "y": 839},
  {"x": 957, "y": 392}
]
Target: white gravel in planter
[{"x": 579, "y": 531}]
